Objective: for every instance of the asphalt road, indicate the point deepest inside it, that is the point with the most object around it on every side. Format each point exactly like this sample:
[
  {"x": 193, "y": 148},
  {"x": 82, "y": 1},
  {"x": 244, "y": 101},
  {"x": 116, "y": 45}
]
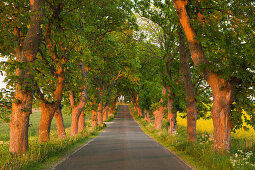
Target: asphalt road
[{"x": 123, "y": 146}]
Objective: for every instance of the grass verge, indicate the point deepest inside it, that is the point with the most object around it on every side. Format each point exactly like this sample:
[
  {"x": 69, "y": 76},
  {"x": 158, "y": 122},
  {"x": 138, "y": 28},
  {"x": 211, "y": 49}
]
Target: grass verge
[
  {"x": 47, "y": 155},
  {"x": 199, "y": 155}
]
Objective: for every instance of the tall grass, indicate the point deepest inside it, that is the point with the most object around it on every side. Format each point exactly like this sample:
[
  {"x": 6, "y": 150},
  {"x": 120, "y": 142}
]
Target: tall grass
[
  {"x": 40, "y": 156},
  {"x": 201, "y": 154}
]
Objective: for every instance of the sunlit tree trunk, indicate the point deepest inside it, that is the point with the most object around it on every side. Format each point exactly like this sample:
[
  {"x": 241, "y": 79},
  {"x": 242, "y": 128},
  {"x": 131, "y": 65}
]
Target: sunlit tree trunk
[
  {"x": 60, "y": 74},
  {"x": 78, "y": 116},
  {"x": 147, "y": 116},
  {"x": 94, "y": 118},
  {"x": 47, "y": 114},
  {"x": 100, "y": 114},
  {"x": 23, "y": 97},
  {"x": 139, "y": 111},
  {"x": 81, "y": 123},
  {"x": 105, "y": 116},
  {"x": 50, "y": 109},
  {"x": 222, "y": 89},
  {"x": 75, "y": 119},
  {"x": 78, "y": 109},
  {"x": 110, "y": 111},
  {"x": 60, "y": 123},
  {"x": 159, "y": 114}
]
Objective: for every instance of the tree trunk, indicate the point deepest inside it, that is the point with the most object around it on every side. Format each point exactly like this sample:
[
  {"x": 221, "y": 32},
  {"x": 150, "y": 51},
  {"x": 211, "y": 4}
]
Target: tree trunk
[
  {"x": 19, "y": 130},
  {"x": 23, "y": 97},
  {"x": 142, "y": 112},
  {"x": 94, "y": 118},
  {"x": 191, "y": 104},
  {"x": 147, "y": 116},
  {"x": 78, "y": 109},
  {"x": 171, "y": 115},
  {"x": 81, "y": 123},
  {"x": 110, "y": 111},
  {"x": 100, "y": 114},
  {"x": 47, "y": 113},
  {"x": 60, "y": 124},
  {"x": 105, "y": 115},
  {"x": 135, "y": 109},
  {"x": 75, "y": 120},
  {"x": 221, "y": 111},
  {"x": 158, "y": 114},
  {"x": 138, "y": 110},
  {"x": 222, "y": 89}
]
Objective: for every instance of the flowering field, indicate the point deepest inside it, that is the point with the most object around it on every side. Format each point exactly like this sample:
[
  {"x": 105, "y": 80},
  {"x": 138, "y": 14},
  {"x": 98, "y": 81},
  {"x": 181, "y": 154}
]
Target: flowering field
[
  {"x": 242, "y": 152},
  {"x": 206, "y": 125}
]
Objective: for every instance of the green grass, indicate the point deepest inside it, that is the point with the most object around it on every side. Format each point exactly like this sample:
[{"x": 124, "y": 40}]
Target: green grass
[
  {"x": 200, "y": 155},
  {"x": 33, "y": 129},
  {"x": 43, "y": 156}
]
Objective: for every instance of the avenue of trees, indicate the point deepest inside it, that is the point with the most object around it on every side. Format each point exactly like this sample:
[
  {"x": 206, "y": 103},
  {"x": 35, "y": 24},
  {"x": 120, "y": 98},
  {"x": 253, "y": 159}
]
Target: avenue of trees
[{"x": 195, "y": 57}]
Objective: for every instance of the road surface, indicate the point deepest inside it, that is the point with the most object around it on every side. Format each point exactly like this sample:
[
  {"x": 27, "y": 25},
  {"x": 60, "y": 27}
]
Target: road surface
[{"x": 123, "y": 146}]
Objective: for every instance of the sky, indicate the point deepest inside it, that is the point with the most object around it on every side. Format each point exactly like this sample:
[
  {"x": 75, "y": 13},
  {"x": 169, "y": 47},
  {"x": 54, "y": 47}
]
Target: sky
[{"x": 2, "y": 84}]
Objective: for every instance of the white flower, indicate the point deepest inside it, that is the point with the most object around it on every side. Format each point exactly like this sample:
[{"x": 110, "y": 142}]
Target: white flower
[{"x": 240, "y": 151}]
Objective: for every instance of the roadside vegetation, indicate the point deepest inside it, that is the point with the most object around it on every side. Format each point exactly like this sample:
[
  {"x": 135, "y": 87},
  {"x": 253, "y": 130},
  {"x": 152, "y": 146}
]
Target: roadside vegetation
[
  {"x": 172, "y": 59},
  {"x": 200, "y": 155},
  {"x": 45, "y": 155}
]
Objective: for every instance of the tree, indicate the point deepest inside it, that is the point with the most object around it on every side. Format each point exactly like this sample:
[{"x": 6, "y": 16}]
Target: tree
[
  {"x": 225, "y": 85},
  {"x": 51, "y": 64},
  {"x": 77, "y": 109},
  {"x": 162, "y": 32},
  {"x": 191, "y": 104},
  {"x": 25, "y": 48}
]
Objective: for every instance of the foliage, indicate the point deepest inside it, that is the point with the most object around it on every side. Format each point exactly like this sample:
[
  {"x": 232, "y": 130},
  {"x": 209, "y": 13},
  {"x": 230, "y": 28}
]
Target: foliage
[{"x": 225, "y": 31}]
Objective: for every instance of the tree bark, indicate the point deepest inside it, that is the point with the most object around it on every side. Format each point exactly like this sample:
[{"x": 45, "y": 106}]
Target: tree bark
[
  {"x": 100, "y": 114},
  {"x": 94, "y": 118},
  {"x": 222, "y": 89},
  {"x": 191, "y": 105},
  {"x": 47, "y": 113},
  {"x": 171, "y": 115},
  {"x": 81, "y": 123},
  {"x": 110, "y": 111},
  {"x": 138, "y": 110},
  {"x": 221, "y": 118},
  {"x": 23, "y": 97},
  {"x": 105, "y": 115},
  {"x": 78, "y": 109},
  {"x": 158, "y": 114},
  {"x": 147, "y": 116},
  {"x": 75, "y": 119},
  {"x": 48, "y": 110},
  {"x": 60, "y": 123}
]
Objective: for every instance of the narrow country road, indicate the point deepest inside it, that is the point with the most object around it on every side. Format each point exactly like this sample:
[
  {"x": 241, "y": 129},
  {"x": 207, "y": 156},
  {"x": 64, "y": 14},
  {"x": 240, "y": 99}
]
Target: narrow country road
[{"x": 123, "y": 146}]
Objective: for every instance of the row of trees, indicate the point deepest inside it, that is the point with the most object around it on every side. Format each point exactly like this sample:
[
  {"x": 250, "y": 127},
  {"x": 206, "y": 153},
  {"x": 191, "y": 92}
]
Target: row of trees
[
  {"x": 203, "y": 50},
  {"x": 86, "y": 54},
  {"x": 63, "y": 53}
]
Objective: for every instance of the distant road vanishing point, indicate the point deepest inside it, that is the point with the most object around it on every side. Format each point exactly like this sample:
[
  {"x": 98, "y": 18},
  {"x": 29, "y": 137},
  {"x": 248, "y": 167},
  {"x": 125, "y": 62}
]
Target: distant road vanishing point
[{"x": 123, "y": 146}]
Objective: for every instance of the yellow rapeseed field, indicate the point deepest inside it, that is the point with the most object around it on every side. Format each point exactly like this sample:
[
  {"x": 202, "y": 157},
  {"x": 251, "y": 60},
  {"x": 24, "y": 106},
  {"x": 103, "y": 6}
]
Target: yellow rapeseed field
[{"x": 207, "y": 126}]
